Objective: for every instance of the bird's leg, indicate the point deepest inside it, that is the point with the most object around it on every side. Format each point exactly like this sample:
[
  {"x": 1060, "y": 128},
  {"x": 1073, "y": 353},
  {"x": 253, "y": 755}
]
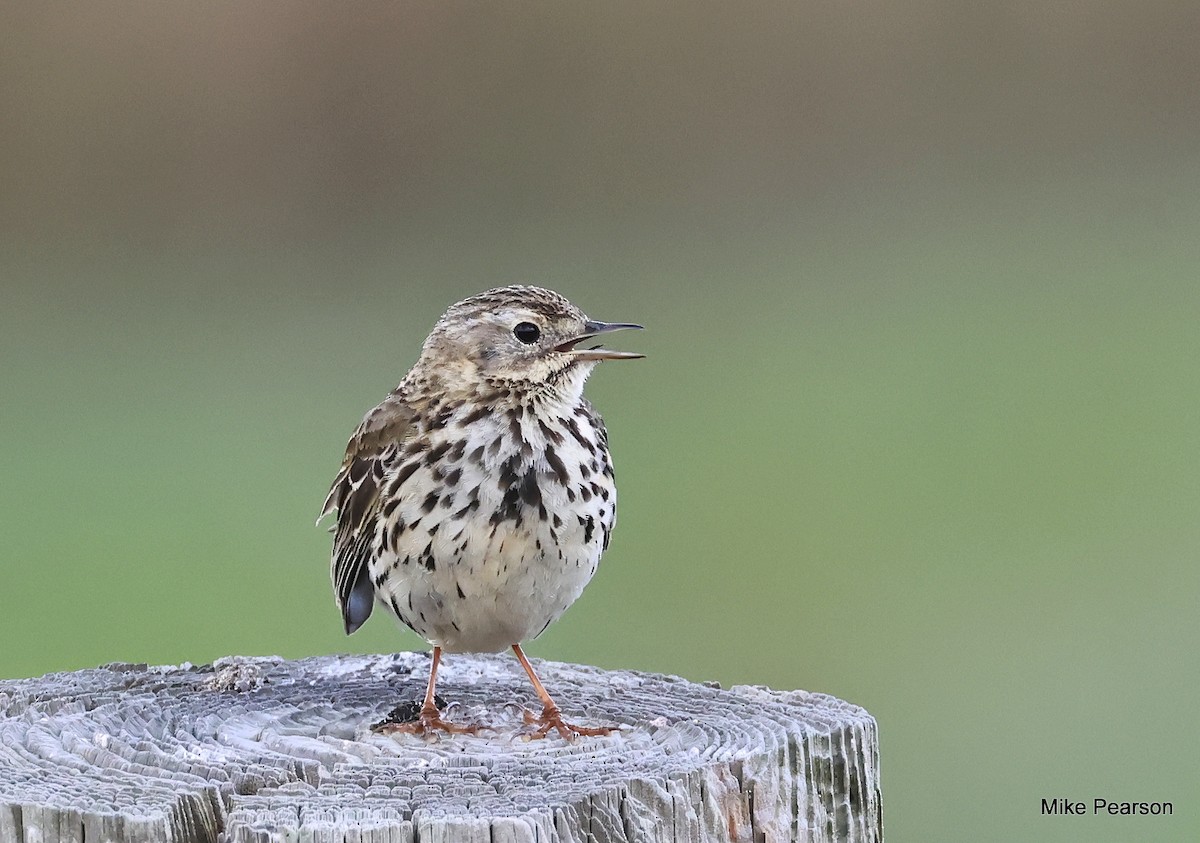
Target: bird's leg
[
  {"x": 430, "y": 719},
  {"x": 551, "y": 717}
]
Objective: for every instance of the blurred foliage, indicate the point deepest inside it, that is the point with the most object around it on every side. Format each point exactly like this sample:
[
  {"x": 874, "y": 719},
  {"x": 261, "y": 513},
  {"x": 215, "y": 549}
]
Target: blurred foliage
[{"x": 920, "y": 420}]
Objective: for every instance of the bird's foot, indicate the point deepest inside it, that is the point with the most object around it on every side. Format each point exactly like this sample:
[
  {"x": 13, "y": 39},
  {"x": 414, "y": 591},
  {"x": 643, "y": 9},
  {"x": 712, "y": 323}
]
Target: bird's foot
[
  {"x": 428, "y": 722},
  {"x": 551, "y": 718}
]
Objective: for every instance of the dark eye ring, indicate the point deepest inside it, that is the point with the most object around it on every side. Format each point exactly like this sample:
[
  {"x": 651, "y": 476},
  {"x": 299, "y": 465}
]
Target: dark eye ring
[{"x": 527, "y": 332}]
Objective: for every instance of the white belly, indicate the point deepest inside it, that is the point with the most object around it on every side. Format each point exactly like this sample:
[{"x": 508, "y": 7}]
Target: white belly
[{"x": 467, "y": 581}]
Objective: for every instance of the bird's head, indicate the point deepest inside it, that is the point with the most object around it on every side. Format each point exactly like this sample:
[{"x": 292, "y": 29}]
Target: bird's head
[{"x": 522, "y": 338}]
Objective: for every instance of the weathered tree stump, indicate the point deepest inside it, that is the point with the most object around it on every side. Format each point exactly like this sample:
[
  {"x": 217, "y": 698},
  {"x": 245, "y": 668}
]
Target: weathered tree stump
[{"x": 258, "y": 749}]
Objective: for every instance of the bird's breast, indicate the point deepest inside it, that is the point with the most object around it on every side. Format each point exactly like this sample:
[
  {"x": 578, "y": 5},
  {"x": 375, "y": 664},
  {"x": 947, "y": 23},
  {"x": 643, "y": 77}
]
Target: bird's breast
[{"x": 492, "y": 529}]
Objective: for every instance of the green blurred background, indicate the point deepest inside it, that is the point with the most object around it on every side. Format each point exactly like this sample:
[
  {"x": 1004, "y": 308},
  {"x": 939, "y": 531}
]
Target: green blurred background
[{"x": 920, "y": 420}]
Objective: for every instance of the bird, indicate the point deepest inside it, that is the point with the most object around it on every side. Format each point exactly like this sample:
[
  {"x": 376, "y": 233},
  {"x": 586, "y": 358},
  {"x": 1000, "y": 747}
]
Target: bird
[{"x": 474, "y": 502}]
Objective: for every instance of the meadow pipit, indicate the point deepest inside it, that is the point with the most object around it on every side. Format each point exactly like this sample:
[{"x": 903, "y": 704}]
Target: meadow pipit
[{"x": 474, "y": 502}]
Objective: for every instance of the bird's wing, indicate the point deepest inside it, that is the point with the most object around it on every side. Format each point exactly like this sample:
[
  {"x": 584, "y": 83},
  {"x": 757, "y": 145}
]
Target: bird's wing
[{"x": 355, "y": 497}]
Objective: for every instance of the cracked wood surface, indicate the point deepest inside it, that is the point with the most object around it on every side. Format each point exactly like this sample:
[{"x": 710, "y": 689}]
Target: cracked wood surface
[{"x": 262, "y": 749}]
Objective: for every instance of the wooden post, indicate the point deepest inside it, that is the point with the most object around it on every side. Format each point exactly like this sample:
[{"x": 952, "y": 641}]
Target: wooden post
[{"x": 262, "y": 749}]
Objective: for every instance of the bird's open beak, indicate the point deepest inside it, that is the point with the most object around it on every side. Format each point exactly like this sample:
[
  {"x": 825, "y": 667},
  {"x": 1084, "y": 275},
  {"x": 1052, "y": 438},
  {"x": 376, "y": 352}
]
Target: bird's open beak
[{"x": 593, "y": 329}]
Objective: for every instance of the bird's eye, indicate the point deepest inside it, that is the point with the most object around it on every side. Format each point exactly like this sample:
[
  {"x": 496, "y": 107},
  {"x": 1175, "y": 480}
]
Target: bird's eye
[{"x": 527, "y": 332}]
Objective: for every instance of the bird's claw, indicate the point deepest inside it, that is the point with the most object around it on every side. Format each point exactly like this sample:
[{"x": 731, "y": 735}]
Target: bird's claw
[
  {"x": 427, "y": 723},
  {"x": 551, "y": 718}
]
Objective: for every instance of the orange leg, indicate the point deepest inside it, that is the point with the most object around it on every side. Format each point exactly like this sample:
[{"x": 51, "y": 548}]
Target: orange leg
[
  {"x": 551, "y": 717},
  {"x": 430, "y": 719}
]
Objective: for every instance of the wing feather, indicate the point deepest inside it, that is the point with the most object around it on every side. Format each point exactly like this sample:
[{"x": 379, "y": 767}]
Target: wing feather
[{"x": 354, "y": 495}]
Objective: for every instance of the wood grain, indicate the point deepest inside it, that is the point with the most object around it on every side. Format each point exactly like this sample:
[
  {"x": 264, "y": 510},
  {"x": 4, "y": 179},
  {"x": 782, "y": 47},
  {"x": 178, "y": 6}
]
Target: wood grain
[{"x": 262, "y": 749}]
